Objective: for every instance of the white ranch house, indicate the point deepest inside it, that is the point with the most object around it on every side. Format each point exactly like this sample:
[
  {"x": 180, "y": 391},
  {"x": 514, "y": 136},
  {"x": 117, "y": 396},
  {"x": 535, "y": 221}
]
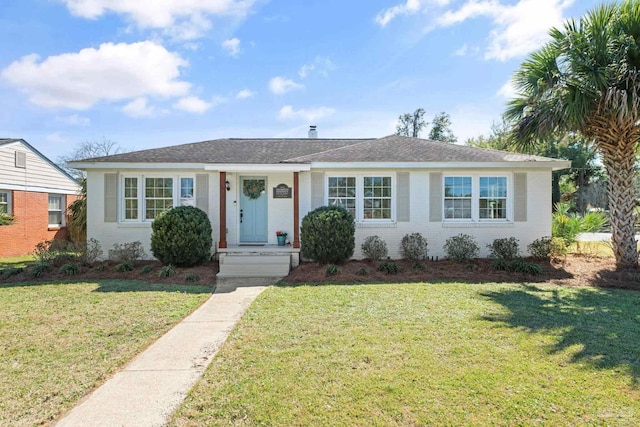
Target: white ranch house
[{"x": 251, "y": 188}]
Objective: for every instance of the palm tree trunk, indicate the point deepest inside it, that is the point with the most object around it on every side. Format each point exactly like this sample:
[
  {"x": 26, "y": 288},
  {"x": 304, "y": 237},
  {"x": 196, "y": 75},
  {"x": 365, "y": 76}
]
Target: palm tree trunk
[{"x": 618, "y": 160}]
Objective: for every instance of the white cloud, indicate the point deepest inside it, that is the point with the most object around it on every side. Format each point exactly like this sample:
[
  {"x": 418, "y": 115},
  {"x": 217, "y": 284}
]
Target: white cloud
[
  {"x": 280, "y": 85},
  {"x": 310, "y": 115},
  {"x": 232, "y": 46},
  {"x": 139, "y": 107},
  {"x": 74, "y": 120},
  {"x": 517, "y": 29},
  {"x": 192, "y": 104},
  {"x": 113, "y": 72},
  {"x": 385, "y": 16},
  {"x": 410, "y": 7},
  {"x": 321, "y": 65},
  {"x": 462, "y": 50},
  {"x": 56, "y": 138},
  {"x": 244, "y": 94},
  {"x": 507, "y": 91},
  {"x": 184, "y": 19}
]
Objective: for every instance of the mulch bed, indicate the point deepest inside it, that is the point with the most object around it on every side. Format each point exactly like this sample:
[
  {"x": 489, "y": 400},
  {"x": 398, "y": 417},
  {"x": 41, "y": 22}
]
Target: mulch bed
[
  {"x": 575, "y": 270},
  {"x": 107, "y": 270}
]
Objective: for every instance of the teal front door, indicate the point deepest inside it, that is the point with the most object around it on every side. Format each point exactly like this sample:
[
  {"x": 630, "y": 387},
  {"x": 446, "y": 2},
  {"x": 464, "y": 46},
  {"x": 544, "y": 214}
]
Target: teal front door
[{"x": 253, "y": 209}]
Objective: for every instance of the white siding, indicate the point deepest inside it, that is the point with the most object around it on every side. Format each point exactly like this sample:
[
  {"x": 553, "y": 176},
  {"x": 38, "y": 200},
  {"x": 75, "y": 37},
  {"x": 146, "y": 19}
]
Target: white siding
[
  {"x": 280, "y": 214},
  {"x": 111, "y": 233},
  {"x": 39, "y": 174},
  {"x": 538, "y": 224}
]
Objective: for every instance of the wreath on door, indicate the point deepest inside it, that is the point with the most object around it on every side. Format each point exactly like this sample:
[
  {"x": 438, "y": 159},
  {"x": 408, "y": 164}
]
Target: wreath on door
[{"x": 253, "y": 188}]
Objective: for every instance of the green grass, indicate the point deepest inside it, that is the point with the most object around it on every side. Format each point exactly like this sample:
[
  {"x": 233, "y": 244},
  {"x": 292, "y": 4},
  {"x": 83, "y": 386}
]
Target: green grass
[
  {"x": 426, "y": 354},
  {"x": 60, "y": 340},
  {"x": 17, "y": 262}
]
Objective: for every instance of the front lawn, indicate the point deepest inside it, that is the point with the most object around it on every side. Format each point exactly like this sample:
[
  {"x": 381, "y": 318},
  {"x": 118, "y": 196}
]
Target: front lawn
[
  {"x": 427, "y": 354},
  {"x": 60, "y": 340}
]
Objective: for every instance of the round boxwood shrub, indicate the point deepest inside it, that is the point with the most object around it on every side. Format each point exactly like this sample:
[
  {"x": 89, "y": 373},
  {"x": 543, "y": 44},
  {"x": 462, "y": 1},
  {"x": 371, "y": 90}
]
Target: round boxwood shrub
[
  {"x": 327, "y": 235},
  {"x": 181, "y": 236}
]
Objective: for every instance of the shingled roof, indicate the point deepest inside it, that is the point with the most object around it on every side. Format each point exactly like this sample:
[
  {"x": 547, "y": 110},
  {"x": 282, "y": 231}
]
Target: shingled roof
[{"x": 393, "y": 148}]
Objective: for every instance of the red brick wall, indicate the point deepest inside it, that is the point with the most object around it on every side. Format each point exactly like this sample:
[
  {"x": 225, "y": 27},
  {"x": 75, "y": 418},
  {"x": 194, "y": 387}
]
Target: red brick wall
[{"x": 31, "y": 225}]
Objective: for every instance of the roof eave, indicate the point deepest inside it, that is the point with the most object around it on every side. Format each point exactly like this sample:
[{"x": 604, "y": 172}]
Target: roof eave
[{"x": 552, "y": 164}]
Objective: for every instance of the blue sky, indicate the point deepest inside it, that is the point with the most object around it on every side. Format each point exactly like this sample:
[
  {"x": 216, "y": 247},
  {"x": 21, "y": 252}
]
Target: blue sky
[{"x": 150, "y": 73}]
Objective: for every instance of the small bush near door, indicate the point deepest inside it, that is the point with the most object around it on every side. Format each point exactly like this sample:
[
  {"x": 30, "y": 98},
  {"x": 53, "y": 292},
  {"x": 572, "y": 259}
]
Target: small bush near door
[
  {"x": 182, "y": 236},
  {"x": 327, "y": 235}
]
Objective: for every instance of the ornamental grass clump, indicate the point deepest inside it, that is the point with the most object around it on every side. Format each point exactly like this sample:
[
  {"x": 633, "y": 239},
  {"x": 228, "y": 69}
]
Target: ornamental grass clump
[
  {"x": 182, "y": 236},
  {"x": 327, "y": 235}
]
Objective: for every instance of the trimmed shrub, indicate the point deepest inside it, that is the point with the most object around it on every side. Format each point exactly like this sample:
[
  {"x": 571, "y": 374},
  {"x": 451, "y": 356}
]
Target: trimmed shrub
[
  {"x": 388, "y": 267},
  {"x": 374, "y": 248},
  {"x": 559, "y": 247},
  {"x": 540, "y": 248},
  {"x": 91, "y": 251},
  {"x": 506, "y": 248},
  {"x": 327, "y": 235},
  {"x": 127, "y": 252},
  {"x": 182, "y": 236},
  {"x": 462, "y": 247},
  {"x": 167, "y": 271},
  {"x": 413, "y": 247}
]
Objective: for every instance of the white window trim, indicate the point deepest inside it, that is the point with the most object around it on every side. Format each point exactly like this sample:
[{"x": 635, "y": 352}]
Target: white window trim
[
  {"x": 9, "y": 193},
  {"x": 475, "y": 198},
  {"x": 360, "y": 193},
  {"x": 63, "y": 208},
  {"x": 177, "y": 200}
]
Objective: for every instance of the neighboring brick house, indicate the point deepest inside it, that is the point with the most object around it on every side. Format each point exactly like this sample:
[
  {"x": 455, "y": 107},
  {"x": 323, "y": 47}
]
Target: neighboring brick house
[{"x": 36, "y": 192}]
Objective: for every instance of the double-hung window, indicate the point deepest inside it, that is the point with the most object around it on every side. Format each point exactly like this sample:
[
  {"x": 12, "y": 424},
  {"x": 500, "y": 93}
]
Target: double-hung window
[
  {"x": 56, "y": 210},
  {"x": 143, "y": 198},
  {"x": 131, "y": 198},
  {"x": 457, "y": 197},
  {"x": 493, "y": 197},
  {"x": 342, "y": 192},
  {"x": 5, "y": 202},
  {"x": 158, "y": 196},
  {"x": 369, "y": 197},
  {"x": 476, "y": 197},
  {"x": 187, "y": 192}
]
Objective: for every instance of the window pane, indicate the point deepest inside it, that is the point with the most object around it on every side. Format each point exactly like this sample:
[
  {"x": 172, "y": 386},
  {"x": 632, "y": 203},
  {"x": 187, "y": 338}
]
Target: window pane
[
  {"x": 342, "y": 192},
  {"x": 457, "y": 197},
  {"x": 55, "y": 218},
  {"x": 377, "y": 197},
  {"x": 55, "y": 203},
  {"x": 159, "y": 196},
  {"x": 493, "y": 197},
  {"x": 4, "y": 202}
]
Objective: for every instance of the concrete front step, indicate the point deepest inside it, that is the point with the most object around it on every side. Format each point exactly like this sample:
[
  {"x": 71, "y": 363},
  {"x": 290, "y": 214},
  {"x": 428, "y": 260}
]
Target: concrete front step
[
  {"x": 255, "y": 259},
  {"x": 243, "y": 265}
]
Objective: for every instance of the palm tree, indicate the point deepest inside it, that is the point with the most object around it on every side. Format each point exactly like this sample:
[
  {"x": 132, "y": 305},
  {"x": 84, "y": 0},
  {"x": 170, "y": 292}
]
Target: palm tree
[{"x": 587, "y": 79}]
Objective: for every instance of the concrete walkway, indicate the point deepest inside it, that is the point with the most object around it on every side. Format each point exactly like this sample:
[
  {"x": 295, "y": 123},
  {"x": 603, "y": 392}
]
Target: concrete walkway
[{"x": 154, "y": 384}]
